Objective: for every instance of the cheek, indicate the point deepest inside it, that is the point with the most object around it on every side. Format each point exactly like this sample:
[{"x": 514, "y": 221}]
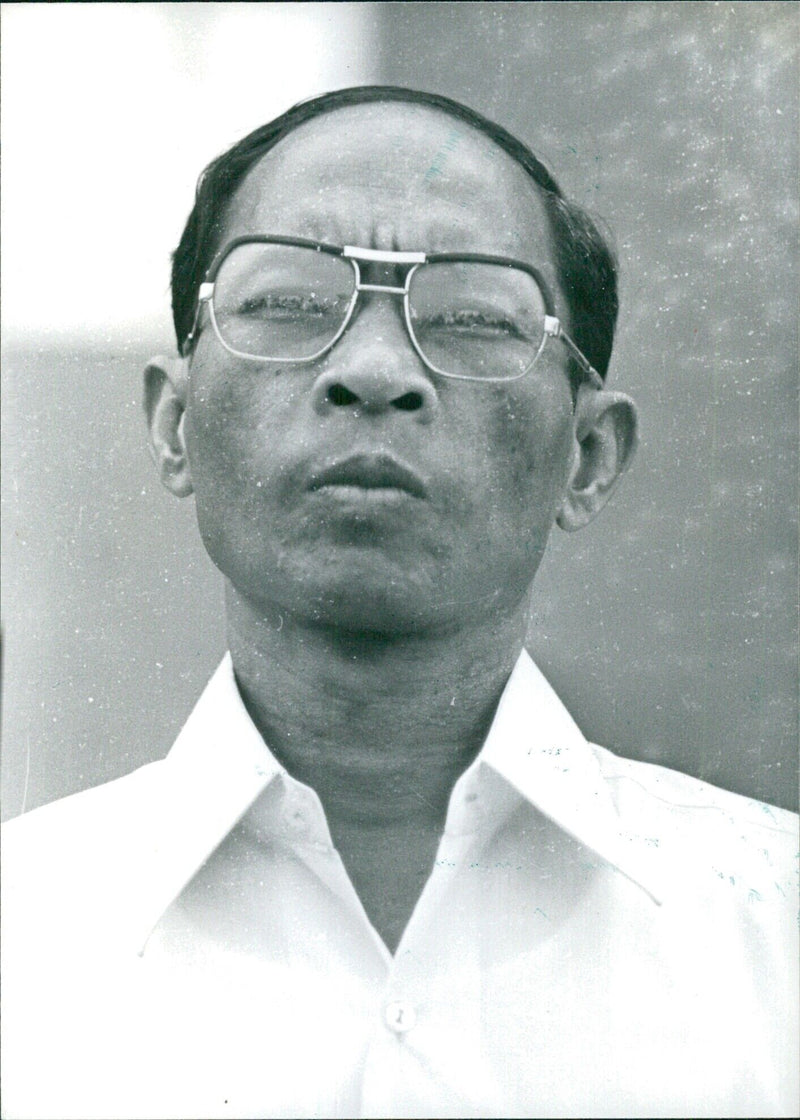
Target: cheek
[
  {"x": 231, "y": 422},
  {"x": 533, "y": 435},
  {"x": 230, "y": 438}
]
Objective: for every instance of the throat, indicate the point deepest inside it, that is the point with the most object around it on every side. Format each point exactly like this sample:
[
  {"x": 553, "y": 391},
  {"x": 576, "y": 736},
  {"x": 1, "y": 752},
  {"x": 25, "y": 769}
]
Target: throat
[
  {"x": 380, "y": 738},
  {"x": 386, "y": 805},
  {"x": 380, "y": 727},
  {"x": 367, "y": 782},
  {"x": 388, "y": 867}
]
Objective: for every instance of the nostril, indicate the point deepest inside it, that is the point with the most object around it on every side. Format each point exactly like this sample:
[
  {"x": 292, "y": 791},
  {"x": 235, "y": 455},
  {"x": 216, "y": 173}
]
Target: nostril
[
  {"x": 409, "y": 402},
  {"x": 340, "y": 394}
]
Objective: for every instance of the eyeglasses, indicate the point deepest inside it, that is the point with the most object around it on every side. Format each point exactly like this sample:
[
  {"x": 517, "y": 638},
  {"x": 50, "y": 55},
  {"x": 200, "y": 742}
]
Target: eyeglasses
[{"x": 469, "y": 316}]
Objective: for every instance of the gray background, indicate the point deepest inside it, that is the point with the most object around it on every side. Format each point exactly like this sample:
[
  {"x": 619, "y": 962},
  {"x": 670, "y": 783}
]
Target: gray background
[{"x": 669, "y": 626}]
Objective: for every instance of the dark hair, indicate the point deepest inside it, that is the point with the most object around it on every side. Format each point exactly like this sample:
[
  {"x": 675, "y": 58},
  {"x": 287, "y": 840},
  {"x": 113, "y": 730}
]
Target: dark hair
[{"x": 585, "y": 264}]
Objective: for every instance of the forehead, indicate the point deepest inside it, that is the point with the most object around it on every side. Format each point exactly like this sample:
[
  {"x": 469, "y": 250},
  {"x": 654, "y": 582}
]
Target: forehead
[{"x": 394, "y": 176}]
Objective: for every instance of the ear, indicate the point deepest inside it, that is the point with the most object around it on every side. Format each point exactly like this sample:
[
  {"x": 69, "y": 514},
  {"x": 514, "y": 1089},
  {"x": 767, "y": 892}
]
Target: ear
[
  {"x": 605, "y": 442},
  {"x": 165, "y": 384}
]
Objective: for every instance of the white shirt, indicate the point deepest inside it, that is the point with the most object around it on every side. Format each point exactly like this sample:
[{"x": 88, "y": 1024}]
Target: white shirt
[{"x": 597, "y": 937}]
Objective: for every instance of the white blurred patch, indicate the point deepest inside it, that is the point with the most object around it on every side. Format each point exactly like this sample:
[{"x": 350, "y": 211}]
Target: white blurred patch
[{"x": 110, "y": 111}]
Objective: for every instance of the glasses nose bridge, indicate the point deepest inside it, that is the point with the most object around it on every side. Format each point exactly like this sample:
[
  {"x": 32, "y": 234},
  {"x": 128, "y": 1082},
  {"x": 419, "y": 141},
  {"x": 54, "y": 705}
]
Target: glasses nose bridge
[
  {"x": 373, "y": 258},
  {"x": 377, "y": 261},
  {"x": 389, "y": 289},
  {"x": 411, "y": 261}
]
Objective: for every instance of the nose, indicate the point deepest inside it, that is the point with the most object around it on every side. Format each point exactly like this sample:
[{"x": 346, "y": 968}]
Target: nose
[{"x": 374, "y": 368}]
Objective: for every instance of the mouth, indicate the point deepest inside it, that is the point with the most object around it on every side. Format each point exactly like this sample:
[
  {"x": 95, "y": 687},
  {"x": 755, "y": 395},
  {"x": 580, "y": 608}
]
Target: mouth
[{"x": 369, "y": 472}]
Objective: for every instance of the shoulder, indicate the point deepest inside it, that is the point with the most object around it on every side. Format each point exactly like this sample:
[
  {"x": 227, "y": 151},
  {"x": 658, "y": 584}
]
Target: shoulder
[
  {"x": 79, "y": 845},
  {"x": 708, "y": 832},
  {"x": 79, "y": 814}
]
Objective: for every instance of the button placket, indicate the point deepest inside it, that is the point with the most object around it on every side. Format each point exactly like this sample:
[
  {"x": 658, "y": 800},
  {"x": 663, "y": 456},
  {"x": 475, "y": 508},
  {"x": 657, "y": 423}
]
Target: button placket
[
  {"x": 400, "y": 1016},
  {"x": 299, "y": 815},
  {"x": 296, "y": 821}
]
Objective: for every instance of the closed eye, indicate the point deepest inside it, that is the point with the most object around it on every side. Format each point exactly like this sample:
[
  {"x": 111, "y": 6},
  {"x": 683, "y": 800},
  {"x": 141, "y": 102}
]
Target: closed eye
[
  {"x": 277, "y": 306},
  {"x": 476, "y": 324}
]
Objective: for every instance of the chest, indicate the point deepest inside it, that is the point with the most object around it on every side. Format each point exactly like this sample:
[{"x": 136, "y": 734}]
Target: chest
[
  {"x": 514, "y": 1002},
  {"x": 388, "y": 869}
]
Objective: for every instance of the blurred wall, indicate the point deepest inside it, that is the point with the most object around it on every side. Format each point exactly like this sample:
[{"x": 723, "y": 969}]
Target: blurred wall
[
  {"x": 110, "y": 111},
  {"x": 112, "y": 614},
  {"x": 670, "y": 625}
]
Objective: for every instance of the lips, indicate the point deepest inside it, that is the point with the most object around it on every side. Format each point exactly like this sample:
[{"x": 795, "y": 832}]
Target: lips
[{"x": 369, "y": 472}]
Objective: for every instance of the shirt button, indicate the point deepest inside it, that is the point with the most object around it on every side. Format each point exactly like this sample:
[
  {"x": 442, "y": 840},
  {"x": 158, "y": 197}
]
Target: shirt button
[{"x": 400, "y": 1016}]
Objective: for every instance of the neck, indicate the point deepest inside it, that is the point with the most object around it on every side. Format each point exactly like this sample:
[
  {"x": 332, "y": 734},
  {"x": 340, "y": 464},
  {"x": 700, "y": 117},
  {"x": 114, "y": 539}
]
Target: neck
[{"x": 379, "y": 725}]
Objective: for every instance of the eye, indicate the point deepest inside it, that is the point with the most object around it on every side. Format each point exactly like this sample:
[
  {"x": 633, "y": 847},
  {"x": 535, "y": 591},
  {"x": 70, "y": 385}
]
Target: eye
[
  {"x": 281, "y": 305},
  {"x": 472, "y": 323}
]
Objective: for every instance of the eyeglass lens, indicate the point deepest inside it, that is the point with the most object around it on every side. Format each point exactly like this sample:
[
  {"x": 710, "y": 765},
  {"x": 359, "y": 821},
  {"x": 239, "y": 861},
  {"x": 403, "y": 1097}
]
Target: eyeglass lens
[
  {"x": 468, "y": 318},
  {"x": 281, "y": 301}
]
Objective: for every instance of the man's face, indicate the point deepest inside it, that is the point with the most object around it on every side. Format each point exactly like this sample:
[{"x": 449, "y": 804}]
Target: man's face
[{"x": 489, "y": 460}]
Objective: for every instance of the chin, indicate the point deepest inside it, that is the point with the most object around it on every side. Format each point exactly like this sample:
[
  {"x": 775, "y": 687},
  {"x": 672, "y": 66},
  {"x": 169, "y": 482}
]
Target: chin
[
  {"x": 398, "y": 607},
  {"x": 370, "y": 590},
  {"x": 376, "y": 619},
  {"x": 356, "y": 604}
]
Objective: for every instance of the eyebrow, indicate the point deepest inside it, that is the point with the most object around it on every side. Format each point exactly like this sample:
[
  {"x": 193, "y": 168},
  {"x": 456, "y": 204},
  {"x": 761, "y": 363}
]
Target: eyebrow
[{"x": 440, "y": 236}]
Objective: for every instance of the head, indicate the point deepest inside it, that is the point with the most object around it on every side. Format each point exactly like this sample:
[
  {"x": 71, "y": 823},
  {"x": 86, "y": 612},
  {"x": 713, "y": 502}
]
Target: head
[
  {"x": 585, "y": 263},
  {"x": 491, "y": 466}
]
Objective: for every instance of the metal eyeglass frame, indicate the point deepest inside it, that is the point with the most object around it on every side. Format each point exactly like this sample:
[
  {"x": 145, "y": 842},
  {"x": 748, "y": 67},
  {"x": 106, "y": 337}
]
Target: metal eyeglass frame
[{"x": 552, "y": 325}]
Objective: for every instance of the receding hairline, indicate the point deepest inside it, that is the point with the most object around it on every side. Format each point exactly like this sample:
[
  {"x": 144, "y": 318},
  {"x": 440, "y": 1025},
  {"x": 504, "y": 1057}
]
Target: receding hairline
[
  {"x": 388, "y": 104},
  {"x": 364, "y": 97},
  {"x": 442, "y": 147}
]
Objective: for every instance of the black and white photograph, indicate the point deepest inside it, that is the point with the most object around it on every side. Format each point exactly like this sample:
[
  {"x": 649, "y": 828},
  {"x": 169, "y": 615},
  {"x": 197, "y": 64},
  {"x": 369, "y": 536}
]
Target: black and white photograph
[{"x": 400, "y": 560}]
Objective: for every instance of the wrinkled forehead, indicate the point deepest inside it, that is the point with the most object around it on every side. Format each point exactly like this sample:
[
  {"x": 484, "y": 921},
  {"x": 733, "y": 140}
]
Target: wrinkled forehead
[{"x": 394, "y": 176}]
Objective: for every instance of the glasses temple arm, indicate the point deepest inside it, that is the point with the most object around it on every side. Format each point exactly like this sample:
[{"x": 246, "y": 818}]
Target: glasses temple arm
[
  {"x": 555, "y": 330},
  {"x": 204, "y": 294}
]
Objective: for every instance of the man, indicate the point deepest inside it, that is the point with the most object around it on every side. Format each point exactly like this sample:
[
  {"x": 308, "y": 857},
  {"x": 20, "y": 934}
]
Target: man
[{"x": 381, "y": 872}]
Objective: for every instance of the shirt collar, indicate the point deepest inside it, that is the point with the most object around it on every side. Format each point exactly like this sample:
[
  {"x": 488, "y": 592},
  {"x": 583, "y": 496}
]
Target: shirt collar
[
  {"x": 219, "y": 765},
  {"x": 536, "y": 746}
]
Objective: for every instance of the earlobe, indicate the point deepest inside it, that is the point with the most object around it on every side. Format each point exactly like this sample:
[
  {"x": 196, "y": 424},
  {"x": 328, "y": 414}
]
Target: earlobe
[
  {"x": 605, "y": 442},
  {"x": 165, "y": 383}
]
